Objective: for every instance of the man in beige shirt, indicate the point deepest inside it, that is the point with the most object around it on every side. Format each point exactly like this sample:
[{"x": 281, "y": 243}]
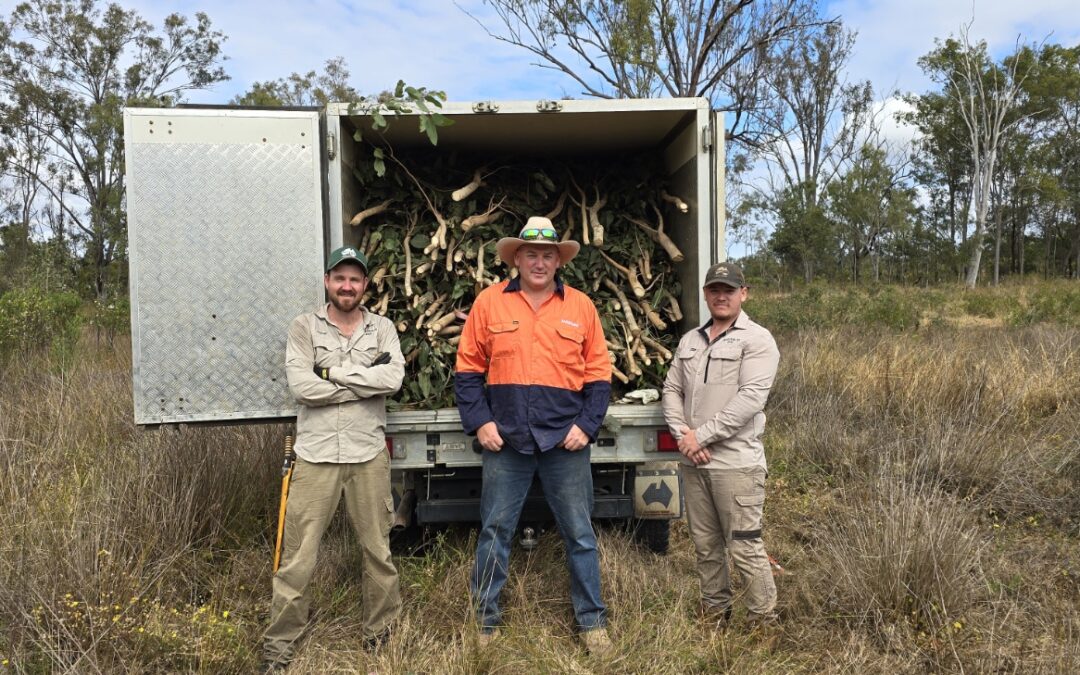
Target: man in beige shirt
[
  {"x": 713, "y": 399},
  {"x": 342, "y": 362}
]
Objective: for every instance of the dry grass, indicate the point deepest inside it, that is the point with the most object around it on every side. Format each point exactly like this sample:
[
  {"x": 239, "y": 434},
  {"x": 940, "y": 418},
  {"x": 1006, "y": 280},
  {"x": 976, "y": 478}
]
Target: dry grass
[{"x": 924, "y": 493}]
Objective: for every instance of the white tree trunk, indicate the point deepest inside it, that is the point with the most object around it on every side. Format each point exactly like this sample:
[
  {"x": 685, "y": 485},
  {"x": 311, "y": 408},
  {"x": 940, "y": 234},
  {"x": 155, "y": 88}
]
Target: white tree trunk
[{"x": 985, "y": 110}]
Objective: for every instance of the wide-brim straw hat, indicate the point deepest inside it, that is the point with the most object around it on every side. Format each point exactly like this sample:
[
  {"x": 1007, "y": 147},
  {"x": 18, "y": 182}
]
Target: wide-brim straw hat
[{"x": 508, "y": 246}]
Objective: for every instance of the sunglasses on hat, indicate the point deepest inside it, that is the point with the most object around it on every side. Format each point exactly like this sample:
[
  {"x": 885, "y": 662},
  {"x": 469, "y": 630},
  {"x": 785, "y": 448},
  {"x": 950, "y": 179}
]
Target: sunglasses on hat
[{"x": 539, "y": 234}]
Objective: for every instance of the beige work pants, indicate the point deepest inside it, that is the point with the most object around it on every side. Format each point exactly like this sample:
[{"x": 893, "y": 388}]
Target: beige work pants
[
  {"x": 724, "y": 509},
  {"x": 314, "y": 493}
]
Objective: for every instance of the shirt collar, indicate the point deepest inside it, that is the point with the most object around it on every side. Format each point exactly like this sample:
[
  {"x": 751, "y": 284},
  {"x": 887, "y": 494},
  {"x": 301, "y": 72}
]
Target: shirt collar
[
  {"x": 514, "y": 285},
  {"x": 740, "y": 322},
  {"x": 323, "y": 313}
]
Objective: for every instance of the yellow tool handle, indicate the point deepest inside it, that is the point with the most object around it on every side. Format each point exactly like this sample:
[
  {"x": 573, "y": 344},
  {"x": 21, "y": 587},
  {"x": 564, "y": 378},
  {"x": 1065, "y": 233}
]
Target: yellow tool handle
[{"x": 286, "y": 476}]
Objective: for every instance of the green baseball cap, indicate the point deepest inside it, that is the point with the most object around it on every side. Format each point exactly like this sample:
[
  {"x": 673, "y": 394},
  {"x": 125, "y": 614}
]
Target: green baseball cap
[
  {"x": 725, "y": 273},
  {"x": 340, "y": 255}
]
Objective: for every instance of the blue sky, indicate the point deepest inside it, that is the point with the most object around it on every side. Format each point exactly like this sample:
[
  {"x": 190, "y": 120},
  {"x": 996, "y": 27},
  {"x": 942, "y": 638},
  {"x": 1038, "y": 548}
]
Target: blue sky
[{"x": 434, "y": 43}]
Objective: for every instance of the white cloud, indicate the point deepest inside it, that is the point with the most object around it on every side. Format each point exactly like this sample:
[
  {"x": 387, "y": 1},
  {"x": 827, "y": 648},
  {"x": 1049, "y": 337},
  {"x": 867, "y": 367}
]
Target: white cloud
[
  {"x": 893, "y": 35},
  {"x": 427, "y": 43},
  {"x": 434, "y": 43}
]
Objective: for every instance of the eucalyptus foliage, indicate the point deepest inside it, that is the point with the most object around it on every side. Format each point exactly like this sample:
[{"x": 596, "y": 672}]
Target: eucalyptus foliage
[{"x": 416, "y": 281}]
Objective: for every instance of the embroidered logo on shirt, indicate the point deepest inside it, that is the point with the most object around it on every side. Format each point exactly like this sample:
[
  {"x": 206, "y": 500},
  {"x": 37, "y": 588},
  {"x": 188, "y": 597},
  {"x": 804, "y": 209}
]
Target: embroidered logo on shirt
[{"x": 568, "y": 322}]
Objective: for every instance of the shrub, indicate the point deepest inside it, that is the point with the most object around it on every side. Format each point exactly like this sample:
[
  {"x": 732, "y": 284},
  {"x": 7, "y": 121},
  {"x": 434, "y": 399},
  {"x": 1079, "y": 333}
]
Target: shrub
[
  {"x": 1053, "y": 302},
  {"x": 109, "y": 318},
  {"x": 988, "y": 305},
  {"x": 889, "y": 307},
  {"x": 32, "y": 319}
]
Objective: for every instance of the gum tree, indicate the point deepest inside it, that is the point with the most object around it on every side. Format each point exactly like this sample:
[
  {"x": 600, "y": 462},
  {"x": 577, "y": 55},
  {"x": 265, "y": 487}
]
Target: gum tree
[
  {"x": 986, "y": 97},
  {"x": 67, "y": 69}
]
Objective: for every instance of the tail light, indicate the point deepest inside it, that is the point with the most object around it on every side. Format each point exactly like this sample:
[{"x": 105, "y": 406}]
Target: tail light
[{"x": 665, "y": 442}]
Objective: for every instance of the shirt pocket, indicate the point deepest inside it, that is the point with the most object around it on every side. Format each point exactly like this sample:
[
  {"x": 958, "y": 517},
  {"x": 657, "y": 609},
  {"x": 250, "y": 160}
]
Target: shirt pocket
[
  {"x": 364, "y": 350},
  {"x": 502, "y": 340},
  {"x": 725, "y": 362},
  {"x": 685, "y": 355},
  {"x": 684, "y": 362},
  {"x": 568, "y": 346},
  {"x": 327, "y": 348}
]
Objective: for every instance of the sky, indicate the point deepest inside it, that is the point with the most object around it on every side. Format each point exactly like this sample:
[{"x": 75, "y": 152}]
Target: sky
[{"x": 435, "y": 43}]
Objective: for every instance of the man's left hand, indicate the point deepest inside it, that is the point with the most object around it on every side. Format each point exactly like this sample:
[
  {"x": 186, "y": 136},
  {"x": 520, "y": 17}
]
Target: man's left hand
[{"x": 575, "y": 440}]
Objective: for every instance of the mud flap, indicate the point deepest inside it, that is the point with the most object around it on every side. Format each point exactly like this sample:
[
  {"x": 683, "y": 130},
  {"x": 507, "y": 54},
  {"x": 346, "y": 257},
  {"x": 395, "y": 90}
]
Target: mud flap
[{"x": 658, "y": 491}]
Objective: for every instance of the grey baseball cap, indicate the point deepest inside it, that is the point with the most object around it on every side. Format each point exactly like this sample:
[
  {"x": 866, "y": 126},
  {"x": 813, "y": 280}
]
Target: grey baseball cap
[
  {"x": 340, "y": 255},
  {"x": 725, "y": 273}
]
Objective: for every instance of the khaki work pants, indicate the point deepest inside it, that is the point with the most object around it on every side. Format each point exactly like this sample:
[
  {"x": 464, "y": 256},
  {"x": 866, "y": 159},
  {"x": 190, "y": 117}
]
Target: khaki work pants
[
  {"x": 314, "y": 493},
  {"x": 724, "y": 509}
]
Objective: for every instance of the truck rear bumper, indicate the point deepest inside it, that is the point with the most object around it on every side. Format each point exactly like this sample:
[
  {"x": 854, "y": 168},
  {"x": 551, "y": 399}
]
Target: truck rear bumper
[{"x": 430, "y": 511}]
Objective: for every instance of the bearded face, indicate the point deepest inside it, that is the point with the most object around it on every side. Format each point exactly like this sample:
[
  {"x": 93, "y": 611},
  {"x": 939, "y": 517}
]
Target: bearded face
[{"x": 345, "y": 285}]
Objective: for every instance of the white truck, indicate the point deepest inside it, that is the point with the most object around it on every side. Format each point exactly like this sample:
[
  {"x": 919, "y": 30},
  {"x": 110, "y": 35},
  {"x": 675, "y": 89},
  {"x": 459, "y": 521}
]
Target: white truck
[{"x": 232, "y": 211}]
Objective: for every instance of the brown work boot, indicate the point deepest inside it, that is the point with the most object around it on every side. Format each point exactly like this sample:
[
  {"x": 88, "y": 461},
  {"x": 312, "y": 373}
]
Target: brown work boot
[
  {"x": 755, "y": 620},
  {"x": 486, "y": 637},
  {"x": 715, "y": 615},
  {"x": 597, "y": 643}
]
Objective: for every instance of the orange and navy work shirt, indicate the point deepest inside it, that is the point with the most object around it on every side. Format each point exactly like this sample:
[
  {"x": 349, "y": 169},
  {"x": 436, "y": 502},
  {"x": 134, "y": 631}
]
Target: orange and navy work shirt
[{"x": 544, "y": 370}]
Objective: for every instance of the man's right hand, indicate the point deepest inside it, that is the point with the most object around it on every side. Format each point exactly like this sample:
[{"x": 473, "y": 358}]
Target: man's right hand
[
  {"x": 691, "y": 449},
  {"x": 489, "y": 437}
]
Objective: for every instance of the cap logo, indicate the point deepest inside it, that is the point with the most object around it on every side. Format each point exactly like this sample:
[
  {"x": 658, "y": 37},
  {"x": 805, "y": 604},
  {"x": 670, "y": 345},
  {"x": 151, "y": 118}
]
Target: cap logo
[{"x": 348, "y": 251}]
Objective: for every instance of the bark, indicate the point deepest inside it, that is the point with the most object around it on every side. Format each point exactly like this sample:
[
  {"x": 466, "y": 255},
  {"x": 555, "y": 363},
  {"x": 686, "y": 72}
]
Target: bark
[{"x": 997, "y": 246}]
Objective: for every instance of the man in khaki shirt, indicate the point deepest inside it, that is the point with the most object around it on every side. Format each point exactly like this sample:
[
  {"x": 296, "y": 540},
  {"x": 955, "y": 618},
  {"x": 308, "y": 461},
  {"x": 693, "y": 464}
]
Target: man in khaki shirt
[
  {"x": 713, "y": 399},
  {"x": 341, "y": 362}
]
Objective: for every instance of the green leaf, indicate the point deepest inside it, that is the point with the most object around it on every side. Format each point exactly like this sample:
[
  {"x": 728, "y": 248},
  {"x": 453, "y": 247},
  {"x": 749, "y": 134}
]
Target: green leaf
[
  {"x": 420, "y": 240},
  {"x": 380, "y": 168},
  {"x": 432, "y": 132},
  {"x": 379, "y": 153},
  {"x": 399, "y": 89},
  {"x": 378, "y": 121},
  {"x": 357, "y": 136},
  {"x": 425, "y": 384},
  {"x": 413, "y": 94},
  {"x": 441, "y": 120}
]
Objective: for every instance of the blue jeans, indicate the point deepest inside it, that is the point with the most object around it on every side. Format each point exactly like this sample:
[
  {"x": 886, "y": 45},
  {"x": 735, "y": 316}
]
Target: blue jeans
[{"x": 568, "y": 488}]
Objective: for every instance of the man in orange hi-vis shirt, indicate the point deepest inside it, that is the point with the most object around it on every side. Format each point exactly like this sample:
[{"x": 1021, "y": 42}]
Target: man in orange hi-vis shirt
[{"x": 532, "y": 383}]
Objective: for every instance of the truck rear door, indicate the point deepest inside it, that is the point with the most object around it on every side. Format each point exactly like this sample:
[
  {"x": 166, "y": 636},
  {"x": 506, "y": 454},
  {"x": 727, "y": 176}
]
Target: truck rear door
[
  {"x": 226, "y": 232},
  {"x": 716, "y": 135}
]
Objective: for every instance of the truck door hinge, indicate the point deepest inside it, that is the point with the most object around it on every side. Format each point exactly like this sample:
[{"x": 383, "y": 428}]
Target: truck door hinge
[
  {"x": 485, "y": 107},
  {"x": 544, "y": 106},
  {"x": 707, "y": 138},
  {"x": 331, "y": 146}
]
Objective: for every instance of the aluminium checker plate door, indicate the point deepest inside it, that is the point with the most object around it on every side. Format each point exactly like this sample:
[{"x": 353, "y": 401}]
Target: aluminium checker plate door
[{"x": 225, "y": 232}]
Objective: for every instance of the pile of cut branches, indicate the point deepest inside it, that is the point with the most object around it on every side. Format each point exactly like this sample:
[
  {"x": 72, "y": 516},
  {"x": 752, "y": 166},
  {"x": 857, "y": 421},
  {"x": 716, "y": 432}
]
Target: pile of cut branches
[{"x": 429, "y": 225}]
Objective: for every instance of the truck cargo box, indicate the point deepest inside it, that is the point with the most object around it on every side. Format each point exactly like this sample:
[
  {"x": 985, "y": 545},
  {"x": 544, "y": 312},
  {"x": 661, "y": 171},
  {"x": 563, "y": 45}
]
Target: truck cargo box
[{"x": 231, "y": 212}]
